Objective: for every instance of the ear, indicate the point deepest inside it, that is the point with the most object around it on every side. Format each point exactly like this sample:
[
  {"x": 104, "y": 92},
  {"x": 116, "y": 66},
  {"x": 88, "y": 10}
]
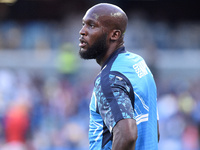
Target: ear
[{"x": 115, "y": 35}]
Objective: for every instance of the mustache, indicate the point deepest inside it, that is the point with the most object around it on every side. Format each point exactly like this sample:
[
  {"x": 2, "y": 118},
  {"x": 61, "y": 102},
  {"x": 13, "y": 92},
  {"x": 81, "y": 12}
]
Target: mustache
[{"x": 82, "y": 40}]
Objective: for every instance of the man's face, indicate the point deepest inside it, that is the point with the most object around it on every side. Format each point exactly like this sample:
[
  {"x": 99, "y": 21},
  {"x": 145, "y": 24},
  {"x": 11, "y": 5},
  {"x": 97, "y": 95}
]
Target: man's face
[{"x": 93, "y": 39}]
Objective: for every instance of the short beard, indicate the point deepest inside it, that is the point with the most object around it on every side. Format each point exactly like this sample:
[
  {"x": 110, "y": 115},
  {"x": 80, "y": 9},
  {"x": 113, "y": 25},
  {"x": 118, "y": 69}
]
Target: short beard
[{"x": 97, "y": 50}]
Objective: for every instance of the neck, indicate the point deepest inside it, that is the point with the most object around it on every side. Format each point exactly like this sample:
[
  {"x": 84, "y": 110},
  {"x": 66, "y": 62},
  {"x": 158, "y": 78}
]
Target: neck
[{"x": 109, "y": 52}]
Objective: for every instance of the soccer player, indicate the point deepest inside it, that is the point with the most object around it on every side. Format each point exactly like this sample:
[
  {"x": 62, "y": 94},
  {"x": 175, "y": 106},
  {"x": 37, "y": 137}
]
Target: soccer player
[{"x": 123, "y": 108}]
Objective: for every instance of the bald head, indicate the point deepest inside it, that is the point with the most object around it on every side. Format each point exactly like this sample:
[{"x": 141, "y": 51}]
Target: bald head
[
  {"x": 102, "y": 32},
  {"x": 110, "y": 16}
]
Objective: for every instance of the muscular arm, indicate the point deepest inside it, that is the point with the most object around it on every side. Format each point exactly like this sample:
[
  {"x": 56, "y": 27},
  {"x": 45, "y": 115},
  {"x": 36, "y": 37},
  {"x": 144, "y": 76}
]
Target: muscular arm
[
  {"x": 124, "y": 135},
  {"x": 118, "y": 114}
]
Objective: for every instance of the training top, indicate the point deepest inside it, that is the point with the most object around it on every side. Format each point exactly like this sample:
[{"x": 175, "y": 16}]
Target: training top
[{"x": 125, "y": 88}]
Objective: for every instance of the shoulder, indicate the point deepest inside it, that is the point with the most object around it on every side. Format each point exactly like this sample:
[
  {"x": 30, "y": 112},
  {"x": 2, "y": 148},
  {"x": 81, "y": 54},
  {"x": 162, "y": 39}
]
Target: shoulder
[
  {"x": 127, "y": 58},
  {"x": 124, "y": 63}
]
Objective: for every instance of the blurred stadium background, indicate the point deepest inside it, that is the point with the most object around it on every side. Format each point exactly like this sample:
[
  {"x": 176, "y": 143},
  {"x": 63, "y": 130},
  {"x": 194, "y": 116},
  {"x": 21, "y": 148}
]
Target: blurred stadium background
[{"x": 45, "y": 87}]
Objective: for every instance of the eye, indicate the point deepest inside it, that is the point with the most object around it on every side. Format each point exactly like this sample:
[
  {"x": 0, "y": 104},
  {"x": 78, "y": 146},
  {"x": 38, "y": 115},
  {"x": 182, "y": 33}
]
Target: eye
[{"x": 92, "y": 25}]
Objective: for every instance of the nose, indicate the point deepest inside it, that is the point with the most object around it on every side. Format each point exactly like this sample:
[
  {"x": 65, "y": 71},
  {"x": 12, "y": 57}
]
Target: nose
[{"x": 82, "y": 31}]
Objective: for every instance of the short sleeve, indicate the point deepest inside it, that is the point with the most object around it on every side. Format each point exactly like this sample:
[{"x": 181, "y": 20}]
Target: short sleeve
[{"x": 123, "y": 105}]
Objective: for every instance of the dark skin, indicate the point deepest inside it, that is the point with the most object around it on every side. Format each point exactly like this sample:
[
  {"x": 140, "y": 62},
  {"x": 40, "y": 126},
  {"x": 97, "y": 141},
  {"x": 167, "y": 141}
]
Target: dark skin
[
  {"x": 111, "y": 20},
  {"x": 100, "y": 20}
]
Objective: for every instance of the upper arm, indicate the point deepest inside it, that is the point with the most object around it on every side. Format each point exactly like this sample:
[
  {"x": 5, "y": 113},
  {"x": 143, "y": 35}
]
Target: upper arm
[
  {"x": 120, "y": 107},
  {"x": 126, "y": 128},
  {"x": 125, "y": 134}
]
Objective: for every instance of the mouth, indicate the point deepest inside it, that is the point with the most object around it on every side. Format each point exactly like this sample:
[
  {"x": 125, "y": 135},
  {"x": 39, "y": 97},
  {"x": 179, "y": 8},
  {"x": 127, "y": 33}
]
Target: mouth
[{"x": 82, "y": 43}]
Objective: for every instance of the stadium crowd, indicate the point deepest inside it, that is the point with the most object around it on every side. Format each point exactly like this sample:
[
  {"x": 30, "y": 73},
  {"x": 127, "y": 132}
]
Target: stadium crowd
[
  {"x": 39, "y": 112},
  {"x": 141, "y": 33},
  {"x": 52, "y": 113}
]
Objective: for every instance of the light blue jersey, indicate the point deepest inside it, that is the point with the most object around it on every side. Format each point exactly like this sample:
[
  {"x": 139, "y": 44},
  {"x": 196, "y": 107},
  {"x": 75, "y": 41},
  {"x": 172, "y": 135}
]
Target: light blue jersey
[{"x": 125, "y": 88}]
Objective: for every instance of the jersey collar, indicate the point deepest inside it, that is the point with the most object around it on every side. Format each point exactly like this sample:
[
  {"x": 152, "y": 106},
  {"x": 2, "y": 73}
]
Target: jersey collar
[{"x": 113, "y": 56}]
